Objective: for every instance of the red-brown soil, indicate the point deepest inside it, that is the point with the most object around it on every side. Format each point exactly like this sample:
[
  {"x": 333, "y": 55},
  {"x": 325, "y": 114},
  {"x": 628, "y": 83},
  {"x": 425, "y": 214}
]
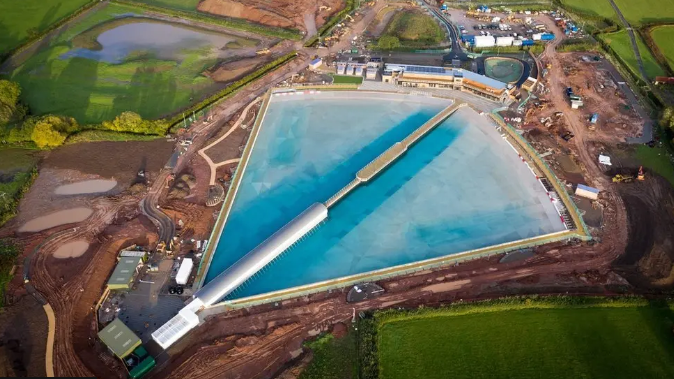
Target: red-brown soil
[{"x": 281, "y": 13}]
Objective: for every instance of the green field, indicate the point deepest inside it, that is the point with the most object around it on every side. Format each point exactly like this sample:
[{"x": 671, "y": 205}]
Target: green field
[
  {"x": 414, "y": 29},
  {"x": 597, "y": 8},
  {"x": 639, "y": 12},
  {"x": 347, "y": 79},
  {"x": 19, "y": 19},
  {"x": 594, "y": 342},
  {"x": 656, "y": 159},
  {"x": 663, "y": 37},
  {"x": 92, "y": 91},
  {"x": 620, "y": 43}
]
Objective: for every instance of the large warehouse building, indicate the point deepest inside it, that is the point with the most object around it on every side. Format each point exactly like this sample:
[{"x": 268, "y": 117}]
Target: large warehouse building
[{"x": 445, "y": 77}]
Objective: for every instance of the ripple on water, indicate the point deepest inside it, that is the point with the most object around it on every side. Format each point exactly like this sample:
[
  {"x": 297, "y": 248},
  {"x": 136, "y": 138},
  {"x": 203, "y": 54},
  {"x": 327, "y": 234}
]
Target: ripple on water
[{"x": 57, "y": 218}]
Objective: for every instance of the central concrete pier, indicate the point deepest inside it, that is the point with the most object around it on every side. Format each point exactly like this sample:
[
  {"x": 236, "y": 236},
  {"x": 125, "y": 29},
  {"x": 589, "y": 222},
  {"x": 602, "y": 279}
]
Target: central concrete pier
[{"x": 393, "y": 153}]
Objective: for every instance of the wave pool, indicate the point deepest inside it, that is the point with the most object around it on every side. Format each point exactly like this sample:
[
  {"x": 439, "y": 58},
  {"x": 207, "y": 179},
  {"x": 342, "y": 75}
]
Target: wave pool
[{"x": 461, "y": 187}]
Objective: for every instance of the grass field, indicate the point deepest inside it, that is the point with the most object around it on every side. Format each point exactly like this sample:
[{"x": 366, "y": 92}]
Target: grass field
[
  {"x": 594, "y": 342},
  {"x": 639, "y": 12},
  {"x": 656, "y": 159},
  {"x": 663, "y": 37},
  {"x": 415, "y": 29},
  {"x": 347, "y": 79},
  {"x": 19, "y": 19},
  {"x": 620, "y": 43},
  {"x": 92, "y": 91},
  {"x": 599, "y": 8}
]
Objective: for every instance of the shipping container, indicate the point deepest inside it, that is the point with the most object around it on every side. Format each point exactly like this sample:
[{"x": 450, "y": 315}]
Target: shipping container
[
  {"x": 537, "y": 36},
  {"x": 527, "y": 42},
  {"x": 547, "y": 37},
  {"x": 517, "y": 42}
]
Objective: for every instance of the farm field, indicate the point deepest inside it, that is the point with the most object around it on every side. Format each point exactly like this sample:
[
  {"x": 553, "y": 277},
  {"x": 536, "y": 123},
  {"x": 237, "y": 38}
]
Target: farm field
[
  {"x": 656, "y": 159},
  {"x": 663, "y": 37},
  {"x": 333, "y": 358},
  {"x": 103, "y": 65},
  {"x": 19, "y": 19},
  {"x": 600, "y": 8},
  {"x": 620, "y": 43},
  {"x": 596, "y": 342},
  {"x": 640, "y": 12}
]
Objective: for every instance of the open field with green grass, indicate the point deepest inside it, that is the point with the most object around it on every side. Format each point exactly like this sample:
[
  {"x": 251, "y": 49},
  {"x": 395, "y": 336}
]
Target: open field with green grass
[
  {"x": 414, "y": 29},
  {"x": 664, "y": 39},
  {"x": 596, "y": 8},
  {"x": 74, "y": 81},
  {"x": 640, "y": 12},
  {"x": 620, "y": 43},
  {"x": 626, "y": 341},
  {"x": 19, "y": 20},
  {"x": 347, "y": 79},
  {"x": 656, "y": 159}
]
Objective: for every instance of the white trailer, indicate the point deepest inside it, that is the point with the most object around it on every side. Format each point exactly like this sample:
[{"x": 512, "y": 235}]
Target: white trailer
[
  {"x": 504, "y": 41},
  {"x": 484, "y": 41},
  {"x": 184, "y": 271}
]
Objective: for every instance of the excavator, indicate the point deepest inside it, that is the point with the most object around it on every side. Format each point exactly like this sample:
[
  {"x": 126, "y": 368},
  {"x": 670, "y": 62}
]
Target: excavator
[{"x": 625, "y": 178}]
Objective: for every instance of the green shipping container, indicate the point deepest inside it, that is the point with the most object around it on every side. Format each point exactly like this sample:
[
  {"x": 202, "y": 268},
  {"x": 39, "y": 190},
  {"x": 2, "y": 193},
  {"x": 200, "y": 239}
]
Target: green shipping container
[
  {"x": 143, "y": 368},
  {"x": 354, "y": 51}
]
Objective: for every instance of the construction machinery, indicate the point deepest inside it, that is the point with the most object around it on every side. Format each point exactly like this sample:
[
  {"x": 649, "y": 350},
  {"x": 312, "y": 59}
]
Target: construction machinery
[
  {"x": 262, "y": 52},
  {"x": 620, "y": 178},
  {"x": 640, "y": 174}
]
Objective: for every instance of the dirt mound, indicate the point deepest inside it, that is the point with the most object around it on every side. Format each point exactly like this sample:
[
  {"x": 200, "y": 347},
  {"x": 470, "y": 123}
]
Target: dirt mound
[
  {"x": 279, "y": 13},
  {"x": 229, "y": 71}
]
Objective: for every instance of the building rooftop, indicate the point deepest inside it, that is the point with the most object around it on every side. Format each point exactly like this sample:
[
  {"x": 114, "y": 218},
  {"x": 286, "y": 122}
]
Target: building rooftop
[
  {"x": 435, "y": 70},
  {"x": 119, "y": 338},
  {"x": 589, "y": 189},
  {"x": 124, "y": 271}
]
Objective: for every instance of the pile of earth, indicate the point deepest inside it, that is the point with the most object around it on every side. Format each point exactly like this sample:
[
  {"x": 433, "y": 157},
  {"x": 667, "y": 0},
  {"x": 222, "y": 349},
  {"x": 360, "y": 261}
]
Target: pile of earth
[
  {"x": 182, "y": 187},
  {"x": 279, "y": 13}
]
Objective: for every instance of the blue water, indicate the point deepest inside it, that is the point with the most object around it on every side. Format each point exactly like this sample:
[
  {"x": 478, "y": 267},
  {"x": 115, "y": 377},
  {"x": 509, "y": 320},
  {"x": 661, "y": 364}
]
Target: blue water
[
  {"x": 163, "y": 40},
  {"x": 453, "y": 191}
]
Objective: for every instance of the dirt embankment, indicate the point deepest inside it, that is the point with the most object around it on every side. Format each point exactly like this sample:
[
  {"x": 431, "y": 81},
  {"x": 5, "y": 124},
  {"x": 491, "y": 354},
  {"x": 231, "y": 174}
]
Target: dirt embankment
[{"x": 279, "y": 13}]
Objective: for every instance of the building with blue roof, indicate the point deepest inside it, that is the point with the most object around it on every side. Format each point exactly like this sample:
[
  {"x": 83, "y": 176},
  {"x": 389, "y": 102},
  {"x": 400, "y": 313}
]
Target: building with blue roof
[{"x": 445, "y": 77}]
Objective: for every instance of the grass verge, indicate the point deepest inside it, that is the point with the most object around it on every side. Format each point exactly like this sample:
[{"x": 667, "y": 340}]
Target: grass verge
[
  {"x": 17, "y": 172},
  {"x": 106, "y": 135},
  {"x": 8, "y": 253},
  {"x": 333, "y": 358}
]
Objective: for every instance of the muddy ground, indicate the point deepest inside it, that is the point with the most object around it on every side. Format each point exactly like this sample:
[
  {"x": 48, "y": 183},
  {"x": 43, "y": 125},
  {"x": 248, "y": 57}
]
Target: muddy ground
[
  {"x": 23, "y": 339},
  {"x": 281, "y": 13}
]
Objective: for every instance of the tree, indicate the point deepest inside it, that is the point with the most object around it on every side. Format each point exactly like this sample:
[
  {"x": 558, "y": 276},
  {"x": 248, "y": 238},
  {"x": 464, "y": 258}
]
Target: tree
[
  {"x": 52, "y": 131},
  {"x": 10, "y": 108},
  {"x": 388, "y": 43}
]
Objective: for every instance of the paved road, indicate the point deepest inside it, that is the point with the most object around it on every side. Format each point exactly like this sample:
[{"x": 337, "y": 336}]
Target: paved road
[
  {"x": 633, "y": 40},
  {"x": 457, "y": 51}
]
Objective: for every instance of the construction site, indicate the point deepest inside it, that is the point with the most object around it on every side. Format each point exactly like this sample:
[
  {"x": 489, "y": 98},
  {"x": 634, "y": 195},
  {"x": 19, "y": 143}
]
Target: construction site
[{"x": 162, "y": 199}]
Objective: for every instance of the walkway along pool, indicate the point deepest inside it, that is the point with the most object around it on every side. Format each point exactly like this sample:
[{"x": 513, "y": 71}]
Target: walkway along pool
[{"x": 461, "y": 187}]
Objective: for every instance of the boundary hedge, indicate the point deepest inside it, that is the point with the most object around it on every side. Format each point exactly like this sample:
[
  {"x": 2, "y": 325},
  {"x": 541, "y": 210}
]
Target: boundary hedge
[
  {"x": 11, "y": 52},
  {"x": 232, "y": 23},
  {"x": 232, "y": 88}
]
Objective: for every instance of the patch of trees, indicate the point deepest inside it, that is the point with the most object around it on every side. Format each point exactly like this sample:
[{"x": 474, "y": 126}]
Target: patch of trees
[
  {"x": 49, "y": 131},
  {"x": 667, "y": 121}
]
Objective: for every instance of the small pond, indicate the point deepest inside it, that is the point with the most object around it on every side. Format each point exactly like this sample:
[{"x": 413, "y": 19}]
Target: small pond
[{"x": 162, "y": 40}]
